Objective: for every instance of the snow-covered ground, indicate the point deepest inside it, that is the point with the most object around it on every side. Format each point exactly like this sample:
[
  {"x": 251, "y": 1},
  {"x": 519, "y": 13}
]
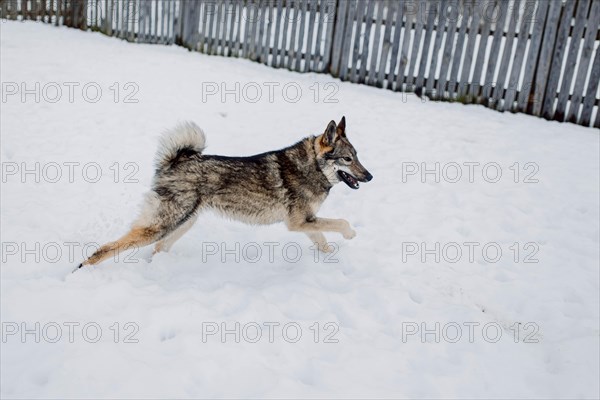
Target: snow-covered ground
[{"x": 382, "y": 318}]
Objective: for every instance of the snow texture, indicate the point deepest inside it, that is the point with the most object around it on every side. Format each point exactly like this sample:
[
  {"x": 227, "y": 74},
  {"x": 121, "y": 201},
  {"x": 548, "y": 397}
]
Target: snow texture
[{"x": 508, "y": 328}]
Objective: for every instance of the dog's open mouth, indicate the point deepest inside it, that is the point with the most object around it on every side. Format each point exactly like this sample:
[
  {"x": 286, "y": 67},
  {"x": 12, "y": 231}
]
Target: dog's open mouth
[{"x": 348, "y": 179}]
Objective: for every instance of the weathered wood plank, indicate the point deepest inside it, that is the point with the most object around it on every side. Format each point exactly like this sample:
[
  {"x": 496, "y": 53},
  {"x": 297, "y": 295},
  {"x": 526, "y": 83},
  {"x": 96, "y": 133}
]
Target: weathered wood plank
[
  {"x": 203, "y": 34},
  {"x": 366, "y": 41},
  {"x": 338, "y": 38},
  {"x": 402, "y": 75},
  {"x": 165, "y": 17},
  {"x": 277, "y": 37},
  {"x": 467, "y": 12},
  {"x": 418, "y": 31},
  {"x": 584, "y": 61},
  {"x": 515, "y": 74},
  {"x": 240, "y": 28},
  {"x": 590, "y": 94},
  {"x": 229, "y": 25},
  {"x": 254, "y": 29},
  {"x": 285, "y": 14},
  {"x": 141, "y": 34},
  {"x": 506, "y": 55},
  {"x": 212, "y": 17},
  {"x": 575, "y": 43},
  {"x": 301, "y": 32},
  {"x": 268, "y": 48},
  {"x": 546, "y": 56},
  {"x": 247, "y": 18},
  {"x": 556, "y": 59},
  {"x": 360, "y": 13},
  {"x": 434, "y": 7},
  {"x": 396, "y": 43},
  {"x": 385, "y": 49},
  {"x": 292, "y": 48},
  {"x": 448, "y": 47},
  {"x": 437, "y": 45},
  {"x": 320, "y": 10},
  {"x": 309, "y": 40},
  {"x": 487, "y": 17},
  {"x": 218, "y": 42},
  {"x": 172, "y": 23},
  {"x": 350, "y": 25},
  {"x": 376, "y": 44},
  {"x": 489, "y": 80},
  {"x": 156, "y": 22},
  {"x": 225, "y": 36},
  {"x": 261, "y": 31},
  {"x": 534, "y": 50},
  {"x": 331, "y": 15},
  {"x": 463, "y": 85}
]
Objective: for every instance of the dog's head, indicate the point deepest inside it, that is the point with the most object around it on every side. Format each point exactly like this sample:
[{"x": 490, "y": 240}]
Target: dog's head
[{"x": 337, "y": 157}]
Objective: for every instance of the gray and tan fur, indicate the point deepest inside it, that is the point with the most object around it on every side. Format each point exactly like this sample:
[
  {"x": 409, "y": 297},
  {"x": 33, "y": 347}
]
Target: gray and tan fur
[{"x": 287, "y": 185}]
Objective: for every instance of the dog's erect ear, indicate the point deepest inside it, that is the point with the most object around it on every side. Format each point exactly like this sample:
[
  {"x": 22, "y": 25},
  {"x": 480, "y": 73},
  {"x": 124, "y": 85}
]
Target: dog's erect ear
[
  {"x": 329, "y": 136},
  {"x": 341, "y": 128}
]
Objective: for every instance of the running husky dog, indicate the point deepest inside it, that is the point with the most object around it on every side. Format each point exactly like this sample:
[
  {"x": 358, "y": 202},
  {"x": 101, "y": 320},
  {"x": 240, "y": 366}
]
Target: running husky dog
[{"x": 287, "y": 185}]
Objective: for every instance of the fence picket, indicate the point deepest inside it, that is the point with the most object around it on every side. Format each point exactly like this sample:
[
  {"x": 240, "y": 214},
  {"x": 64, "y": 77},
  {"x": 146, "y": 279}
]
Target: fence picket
[
  {"x": 283, "y": 51},
  {"x": 312, "y": 8},
  {"x": 488, "y": 80},
  {"x": 350, "y": 24},
  {"x": 527, "y": 88},
  {"x": 463, "y": 86},
  {"x": 506, "y": 56},
  {"x": 319, "y": 9},
  {"x": 437, "y": 44},
  {"x": 411, "y": 78},
  {"x": 426, "y": 45},
  {"x": 396, "y": 45},
  {"x": 590, "y": 95},
  {"x": 292, "y": 45},
  {"x": 276, "y": 48},
  {"x": 375, "y": 48},
  {"x": 366, "y": 41},
  {"x": 567, "y": 78},
  {"x": 385, "y": 49},
  {"x": 481, "y": 51},
  {"x": 360, "y": 13},
  {"x": 331, "y": 17},
  {"x": 591, "y": 32},
  {"x": 300, "y": 52},
  {"x": 557, "y": 60},
  {"x": 458, "y": 49},
  {"x": 340, "y": 18},
  {"x": 546, "y": 55},
  {"x": 447, "y": 53}
]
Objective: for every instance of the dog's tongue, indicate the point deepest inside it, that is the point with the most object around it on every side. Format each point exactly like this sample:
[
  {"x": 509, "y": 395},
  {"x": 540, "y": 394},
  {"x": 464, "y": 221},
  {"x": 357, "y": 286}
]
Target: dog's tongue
[{"x": 348, "y": 179}]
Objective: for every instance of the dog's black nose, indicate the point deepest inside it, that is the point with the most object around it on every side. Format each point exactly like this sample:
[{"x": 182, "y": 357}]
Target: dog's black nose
[{"x": 368, "y": 177}]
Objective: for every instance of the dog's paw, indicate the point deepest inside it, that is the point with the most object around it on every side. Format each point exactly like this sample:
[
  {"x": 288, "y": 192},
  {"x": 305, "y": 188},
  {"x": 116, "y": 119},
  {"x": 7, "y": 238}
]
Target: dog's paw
[
  {"x": 326, "y": 248},
  {"x": 349, "y": 234}
]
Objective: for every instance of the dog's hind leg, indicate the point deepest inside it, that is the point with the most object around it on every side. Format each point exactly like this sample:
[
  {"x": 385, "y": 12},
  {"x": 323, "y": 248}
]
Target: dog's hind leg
[
  {"x": 166, "y": 243},
  {"x": 137, "y": 237},
  {"x": 159, "y": 218}
]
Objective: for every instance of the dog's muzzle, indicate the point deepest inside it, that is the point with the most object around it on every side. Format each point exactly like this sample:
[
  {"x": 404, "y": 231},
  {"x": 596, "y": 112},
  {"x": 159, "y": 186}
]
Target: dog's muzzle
[{"x": 351, "y": 180}]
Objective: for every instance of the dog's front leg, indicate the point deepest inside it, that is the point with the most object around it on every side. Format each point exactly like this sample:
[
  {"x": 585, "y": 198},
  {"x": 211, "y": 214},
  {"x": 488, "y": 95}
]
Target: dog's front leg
[
  {"x": 316, "y": 224},
  {"x": 319, "y": 240}
]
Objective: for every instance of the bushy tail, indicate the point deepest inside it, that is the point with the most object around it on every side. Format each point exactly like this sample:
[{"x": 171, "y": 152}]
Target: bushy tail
[{"x": 184, "y": 140}]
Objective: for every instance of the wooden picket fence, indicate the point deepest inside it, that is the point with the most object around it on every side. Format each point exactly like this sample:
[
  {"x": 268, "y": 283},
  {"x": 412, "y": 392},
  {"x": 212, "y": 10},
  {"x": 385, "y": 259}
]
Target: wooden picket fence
[{"x": 539, "y": 57}]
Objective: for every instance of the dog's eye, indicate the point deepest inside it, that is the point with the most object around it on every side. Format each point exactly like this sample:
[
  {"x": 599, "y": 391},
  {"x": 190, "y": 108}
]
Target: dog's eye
[{"x": 347, "y": 159}]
